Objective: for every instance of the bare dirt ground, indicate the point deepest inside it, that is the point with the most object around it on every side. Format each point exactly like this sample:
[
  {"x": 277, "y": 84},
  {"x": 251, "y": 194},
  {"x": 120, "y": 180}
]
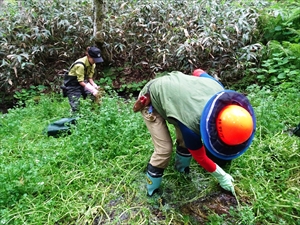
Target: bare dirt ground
[{"x": 219, "y": 203}]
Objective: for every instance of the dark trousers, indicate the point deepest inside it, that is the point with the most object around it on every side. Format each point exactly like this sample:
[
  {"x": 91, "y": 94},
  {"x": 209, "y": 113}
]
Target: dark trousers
[{"x": 74, "y": 93}]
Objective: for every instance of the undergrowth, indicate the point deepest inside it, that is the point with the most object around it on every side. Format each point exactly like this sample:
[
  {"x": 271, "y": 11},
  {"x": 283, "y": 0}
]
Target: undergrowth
[{"x": 96, "y": 175}]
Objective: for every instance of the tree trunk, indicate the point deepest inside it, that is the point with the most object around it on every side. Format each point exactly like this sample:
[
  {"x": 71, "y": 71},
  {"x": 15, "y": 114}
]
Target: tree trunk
[{"x": 99, "y": 15}]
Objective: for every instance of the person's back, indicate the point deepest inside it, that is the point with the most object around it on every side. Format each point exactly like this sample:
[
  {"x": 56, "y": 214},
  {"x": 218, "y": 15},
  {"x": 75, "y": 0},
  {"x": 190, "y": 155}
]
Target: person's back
[
  {"x": 182, "y": 97},
  {"x": 193, "y": 104}
]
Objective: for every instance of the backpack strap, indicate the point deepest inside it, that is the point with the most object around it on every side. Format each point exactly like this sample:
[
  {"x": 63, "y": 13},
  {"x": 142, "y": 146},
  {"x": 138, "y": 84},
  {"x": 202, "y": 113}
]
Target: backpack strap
[{"x": 75, "y": 64}]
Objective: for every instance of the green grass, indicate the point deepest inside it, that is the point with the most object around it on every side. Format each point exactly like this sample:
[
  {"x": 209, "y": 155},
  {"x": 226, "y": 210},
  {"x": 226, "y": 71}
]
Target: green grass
[{"x": 96, "y": 175}]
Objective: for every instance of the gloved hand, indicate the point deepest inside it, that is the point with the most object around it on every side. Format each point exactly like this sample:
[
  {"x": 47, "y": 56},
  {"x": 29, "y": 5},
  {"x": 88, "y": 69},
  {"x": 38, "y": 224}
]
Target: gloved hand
[
  {"x": 224, "y": 179},
  {"x": 96, "y": 86},
  {"x": 90, "y": 88}
]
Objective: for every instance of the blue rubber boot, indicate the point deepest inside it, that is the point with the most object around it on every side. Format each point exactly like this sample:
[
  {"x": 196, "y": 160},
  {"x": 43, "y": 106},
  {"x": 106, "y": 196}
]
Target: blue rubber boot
[
  {"x": 154, "y": 178},
  {"x": 153, "y": 184},
  {"x": 182, "y": 162}
]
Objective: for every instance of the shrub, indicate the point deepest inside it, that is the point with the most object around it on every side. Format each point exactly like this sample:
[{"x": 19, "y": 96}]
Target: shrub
[
  {"x": 172, "y": 35},
  {"x": 39, "y": 39},
  {"x": 141, "y": 37},
  {"x": 280, "y": 61}
]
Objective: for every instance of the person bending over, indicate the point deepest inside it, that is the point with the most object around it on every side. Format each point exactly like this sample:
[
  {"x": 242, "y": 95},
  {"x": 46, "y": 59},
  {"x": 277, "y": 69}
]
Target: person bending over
[{"x": 207, "y": 118}]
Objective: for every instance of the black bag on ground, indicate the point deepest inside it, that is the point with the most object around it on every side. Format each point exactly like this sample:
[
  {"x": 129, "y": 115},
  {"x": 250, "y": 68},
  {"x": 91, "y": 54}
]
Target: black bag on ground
[{"x": 59, "y": 127}]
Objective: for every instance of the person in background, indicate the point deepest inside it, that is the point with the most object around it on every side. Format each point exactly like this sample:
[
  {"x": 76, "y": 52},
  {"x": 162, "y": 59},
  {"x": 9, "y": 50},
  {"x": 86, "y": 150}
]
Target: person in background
[
  {"x": 79, "y": 79},
  {"x": 206, "y": 118}
]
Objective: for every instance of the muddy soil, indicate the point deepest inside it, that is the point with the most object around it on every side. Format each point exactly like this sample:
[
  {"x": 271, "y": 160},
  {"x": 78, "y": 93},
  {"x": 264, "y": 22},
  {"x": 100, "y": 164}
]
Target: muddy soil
[{"x": 219, "y": 203}]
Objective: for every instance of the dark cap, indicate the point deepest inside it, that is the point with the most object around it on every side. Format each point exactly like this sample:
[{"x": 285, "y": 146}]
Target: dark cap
[{"x": 95, "y": 53}]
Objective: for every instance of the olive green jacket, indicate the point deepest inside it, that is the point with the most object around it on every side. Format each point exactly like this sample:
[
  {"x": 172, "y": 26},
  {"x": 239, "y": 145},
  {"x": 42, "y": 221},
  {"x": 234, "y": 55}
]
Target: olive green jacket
[{"x": 181, "y": 97}]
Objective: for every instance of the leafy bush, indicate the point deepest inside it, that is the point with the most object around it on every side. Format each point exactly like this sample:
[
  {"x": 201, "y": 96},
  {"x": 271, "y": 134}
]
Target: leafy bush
[
  {"x": 141, "y": 38},
  {"x": 281, "y": 25},
  {"x": 282, "y": 65},
  {"x": 39, "y": 39},
  {"x": 280, "y": 58},
  {"x": 175, "y": 35}
]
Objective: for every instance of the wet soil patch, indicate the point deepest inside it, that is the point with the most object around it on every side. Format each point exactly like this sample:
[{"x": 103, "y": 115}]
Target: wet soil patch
[{"x": 219, "y": 203}]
